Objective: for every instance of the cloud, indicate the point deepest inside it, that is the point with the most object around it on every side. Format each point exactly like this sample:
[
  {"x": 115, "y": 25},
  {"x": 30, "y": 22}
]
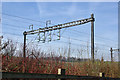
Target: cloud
[{"x": 66, "y": 10}]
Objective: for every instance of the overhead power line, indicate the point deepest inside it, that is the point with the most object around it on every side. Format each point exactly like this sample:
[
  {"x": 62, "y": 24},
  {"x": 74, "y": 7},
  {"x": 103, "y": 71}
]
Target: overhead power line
[
  {"x": 77, "y": 44},
  {"x": 95, "y": 35},
  {"x": 86, "y": 41},
  {"x": 63, "y": 36},
  {"x": 4, "y": 33},
  {"x": 12, "y": 25},
  {"x": 23, "y": 18},
  {"x": 45, "y": 22},
  {"x": 21, "y": 21}
]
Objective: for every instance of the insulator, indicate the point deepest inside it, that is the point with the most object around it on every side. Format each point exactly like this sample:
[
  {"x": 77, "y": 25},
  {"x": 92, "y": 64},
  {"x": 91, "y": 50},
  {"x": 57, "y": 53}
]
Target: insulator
[
  {"x": 54, "y": 40},
  {"x": 49, "y": 40},
  {"x": 43, "y": 42},
  {"x": 54, "y": 34},
  {"x": 49, "y": 37},
  {"x": 31, "y": 26},
  {"x": 58, "y": 35},
  {"x": 58, "y": 39}
]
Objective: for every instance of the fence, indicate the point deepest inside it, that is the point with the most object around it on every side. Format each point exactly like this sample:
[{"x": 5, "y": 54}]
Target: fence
[{"x": 61, "y": 75}]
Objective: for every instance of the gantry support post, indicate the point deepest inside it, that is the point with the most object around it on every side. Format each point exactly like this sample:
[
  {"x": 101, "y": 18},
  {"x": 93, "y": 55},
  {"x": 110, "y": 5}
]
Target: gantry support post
[
  {"x": 24, "y": 51},
  {"x": 111, "y": 50},
  {"x": 24, "y": 48},
  {"x": 92, "y": 37}
]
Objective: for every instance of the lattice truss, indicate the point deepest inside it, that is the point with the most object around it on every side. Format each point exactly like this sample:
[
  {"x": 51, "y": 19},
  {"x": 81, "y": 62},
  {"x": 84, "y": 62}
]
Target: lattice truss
[{"x": 47, "y": 33}]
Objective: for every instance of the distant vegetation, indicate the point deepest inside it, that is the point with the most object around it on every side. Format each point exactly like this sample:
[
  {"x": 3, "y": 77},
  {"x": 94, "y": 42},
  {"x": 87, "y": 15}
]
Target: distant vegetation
[{"x": 42, "y": 63}]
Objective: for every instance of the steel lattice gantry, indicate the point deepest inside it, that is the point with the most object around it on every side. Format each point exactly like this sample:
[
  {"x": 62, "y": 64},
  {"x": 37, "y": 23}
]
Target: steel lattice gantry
[{"x": 61, "y": 26}]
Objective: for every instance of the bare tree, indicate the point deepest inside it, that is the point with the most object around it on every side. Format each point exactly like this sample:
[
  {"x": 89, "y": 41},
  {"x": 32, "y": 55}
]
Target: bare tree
[{"x": 9, "y": 48}]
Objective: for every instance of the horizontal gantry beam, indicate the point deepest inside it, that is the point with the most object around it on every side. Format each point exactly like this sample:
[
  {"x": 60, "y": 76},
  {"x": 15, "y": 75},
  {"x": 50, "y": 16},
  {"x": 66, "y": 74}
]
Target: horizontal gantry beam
[{"x": 59, "y": 26}]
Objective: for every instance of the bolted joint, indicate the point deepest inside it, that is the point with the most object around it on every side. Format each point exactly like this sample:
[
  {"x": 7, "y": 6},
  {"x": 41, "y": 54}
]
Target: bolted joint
[
  {"x": 93, "y": 19},
  {"x": 1, "y": 37},
  {"x": 92, "y": 16},
  {"x": 24, "y": 33},
  {"x": 111, "y": 49}
]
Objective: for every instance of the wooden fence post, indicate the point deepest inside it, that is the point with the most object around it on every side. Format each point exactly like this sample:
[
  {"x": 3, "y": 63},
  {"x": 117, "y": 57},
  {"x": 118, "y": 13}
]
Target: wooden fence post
[
  {"x": 61, "y": 72},
  {"x": 102, "y": 74}
]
